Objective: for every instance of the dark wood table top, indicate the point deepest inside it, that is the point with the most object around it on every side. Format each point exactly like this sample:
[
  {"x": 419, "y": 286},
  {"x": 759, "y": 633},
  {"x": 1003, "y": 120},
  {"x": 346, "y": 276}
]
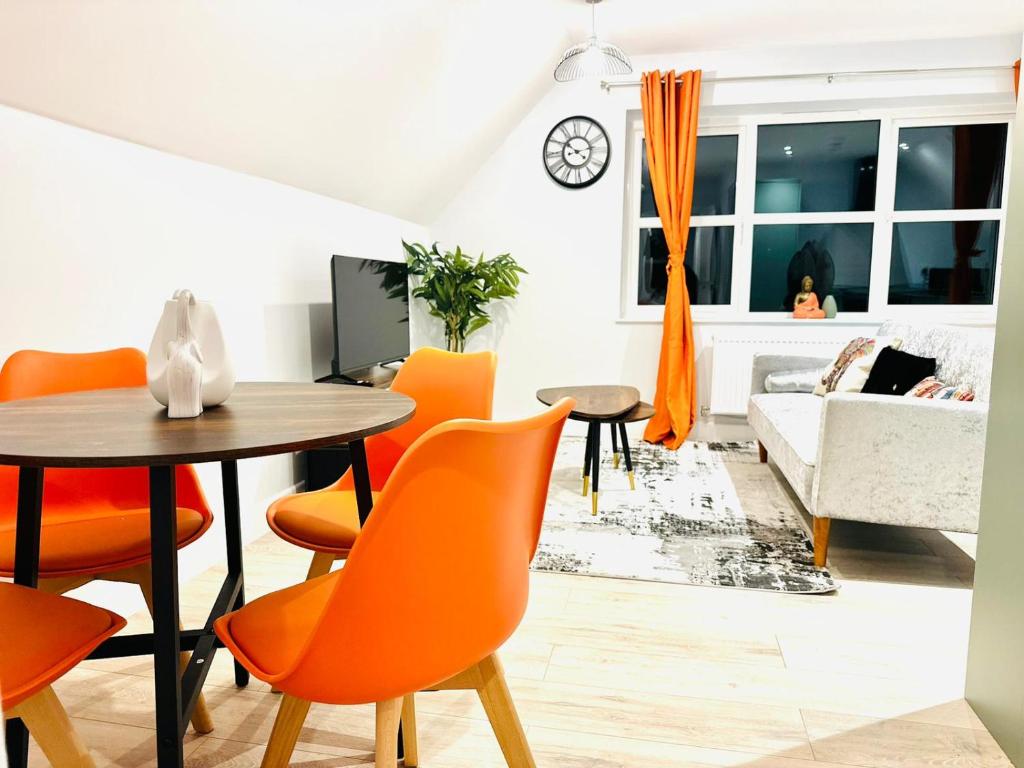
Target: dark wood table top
[
  {"x": 127, "y": 427},
  {"x": 640, "y": 412},
  {"x": 600, "y": 401}
]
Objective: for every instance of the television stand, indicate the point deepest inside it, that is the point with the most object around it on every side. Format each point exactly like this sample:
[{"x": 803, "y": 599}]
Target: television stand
[
  {"x": 379, "y": 376},
  {"x": 341, "y": 378}
]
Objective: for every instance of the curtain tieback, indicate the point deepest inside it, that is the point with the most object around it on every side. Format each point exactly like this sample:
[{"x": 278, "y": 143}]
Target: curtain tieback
[{"x": 674, "y": 260}]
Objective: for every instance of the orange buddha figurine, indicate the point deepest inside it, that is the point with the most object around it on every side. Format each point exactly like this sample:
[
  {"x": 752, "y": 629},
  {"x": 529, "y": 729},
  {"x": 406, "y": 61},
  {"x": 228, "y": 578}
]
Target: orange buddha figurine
[{"x": 805, "y": 306}]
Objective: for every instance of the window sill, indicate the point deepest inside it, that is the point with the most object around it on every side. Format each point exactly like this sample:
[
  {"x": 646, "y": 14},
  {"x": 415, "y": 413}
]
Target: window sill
[{"x": 938, "y": 316}]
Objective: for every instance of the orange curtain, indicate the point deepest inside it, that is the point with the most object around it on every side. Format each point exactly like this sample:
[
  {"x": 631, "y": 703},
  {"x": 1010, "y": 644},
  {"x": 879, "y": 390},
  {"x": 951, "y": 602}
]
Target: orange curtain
[
  {"x": 670, "y": 104},
  {"x": 1016, "y": 78}
]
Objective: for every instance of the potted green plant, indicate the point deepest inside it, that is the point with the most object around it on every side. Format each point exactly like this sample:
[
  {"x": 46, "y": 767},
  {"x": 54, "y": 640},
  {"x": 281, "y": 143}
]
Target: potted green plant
[{"x": 458, "y": 288}]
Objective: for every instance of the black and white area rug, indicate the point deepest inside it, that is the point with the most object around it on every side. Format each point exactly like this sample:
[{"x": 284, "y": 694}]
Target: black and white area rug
[{"x": 683, "y": 524}]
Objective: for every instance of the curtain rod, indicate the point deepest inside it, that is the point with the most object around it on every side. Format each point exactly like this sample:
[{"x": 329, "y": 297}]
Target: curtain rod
[{"x": 608, "y": 85}]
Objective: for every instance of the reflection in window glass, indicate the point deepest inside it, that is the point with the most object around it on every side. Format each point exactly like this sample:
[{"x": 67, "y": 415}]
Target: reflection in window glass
[
  {"x": 836, "y": 256},
  {"x": 808, "y": 167},
  {"x": 947, "y": 167},
  {"x": 708, "y": 265},
  {"x": 714, "y": 178},
  {"x": 943, "y": 262}
]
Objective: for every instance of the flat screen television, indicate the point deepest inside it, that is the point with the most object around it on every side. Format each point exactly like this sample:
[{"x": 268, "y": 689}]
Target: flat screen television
[{"x": 371, "y": 312}]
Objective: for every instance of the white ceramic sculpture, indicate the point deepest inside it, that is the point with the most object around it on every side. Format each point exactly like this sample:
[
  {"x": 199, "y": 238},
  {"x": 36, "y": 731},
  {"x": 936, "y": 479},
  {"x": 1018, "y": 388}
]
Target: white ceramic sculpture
[
  {"x": 829, "y": 306},
  {"x": 218, "y": 375},
  {"x": 184, "y": 365}
]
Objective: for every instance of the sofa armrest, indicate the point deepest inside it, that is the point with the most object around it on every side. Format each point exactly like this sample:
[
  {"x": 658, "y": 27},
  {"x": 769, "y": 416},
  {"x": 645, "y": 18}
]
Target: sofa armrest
[
  {"x": 900, "y": 460},
  {"x": 765, "y": 364}
]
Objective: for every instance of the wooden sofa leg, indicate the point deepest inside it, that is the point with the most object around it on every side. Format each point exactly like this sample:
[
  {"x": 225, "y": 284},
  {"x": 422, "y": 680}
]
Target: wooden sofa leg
[
  {"x": 762, "y": 452},
  {"x": 821, "y": 529}
]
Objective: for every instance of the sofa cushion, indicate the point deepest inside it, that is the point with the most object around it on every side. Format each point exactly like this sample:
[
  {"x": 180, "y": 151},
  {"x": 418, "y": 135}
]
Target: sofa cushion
[
  {"x": 896, "y": 372},
  {"x": 963, "y": 356},
  {"x": 787, "y": 425}
]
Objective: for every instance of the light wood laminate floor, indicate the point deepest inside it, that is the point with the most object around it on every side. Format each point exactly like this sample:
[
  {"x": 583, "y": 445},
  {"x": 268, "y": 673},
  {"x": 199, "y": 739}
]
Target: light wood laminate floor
[{"x": 621, "y": 673}]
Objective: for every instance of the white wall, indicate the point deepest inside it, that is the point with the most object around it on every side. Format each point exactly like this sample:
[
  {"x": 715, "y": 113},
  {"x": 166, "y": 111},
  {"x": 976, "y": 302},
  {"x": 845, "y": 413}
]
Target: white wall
[
  {"x": 565, "y": 327},
  {"x": 95, "y": 233}
]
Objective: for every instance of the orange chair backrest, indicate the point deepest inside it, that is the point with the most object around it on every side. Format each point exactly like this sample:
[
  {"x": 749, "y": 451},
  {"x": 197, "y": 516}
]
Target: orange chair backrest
[
  {"x": 439, "y": 576},
  {"x": 445, "y": 386},
  {"x": 32, "y": 373}
]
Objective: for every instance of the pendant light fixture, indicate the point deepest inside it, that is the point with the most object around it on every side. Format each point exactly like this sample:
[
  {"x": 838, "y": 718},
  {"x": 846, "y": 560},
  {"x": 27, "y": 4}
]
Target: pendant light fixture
[{"x": 594, "y": 58}]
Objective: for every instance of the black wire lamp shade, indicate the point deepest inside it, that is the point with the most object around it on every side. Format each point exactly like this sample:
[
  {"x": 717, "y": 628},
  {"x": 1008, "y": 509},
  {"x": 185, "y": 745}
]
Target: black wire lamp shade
[{"x": 593, "y": 58}]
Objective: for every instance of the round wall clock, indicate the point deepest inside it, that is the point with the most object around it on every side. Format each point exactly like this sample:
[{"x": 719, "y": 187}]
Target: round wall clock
[{"x": 576, "y": 152}]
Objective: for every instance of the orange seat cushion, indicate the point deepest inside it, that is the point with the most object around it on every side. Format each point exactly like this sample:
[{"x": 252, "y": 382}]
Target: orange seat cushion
[
  {"x": 324, "y": 521},
  {"x": 100, "y": 540},
  {"x": 288, "y": 616},
  {"x": 35, "y": 652}
]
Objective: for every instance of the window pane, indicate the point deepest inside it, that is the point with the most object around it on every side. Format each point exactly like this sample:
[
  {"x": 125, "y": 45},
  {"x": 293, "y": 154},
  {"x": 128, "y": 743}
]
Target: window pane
[
  {"x": 950, "y": 166},
  {"x": 714, "y": 178},
  {"x": 708, "y": 265},
  {"x": 816, "y": 167},
  {"x": 836, "y": 256},
  {"x": 943, "y": 262}
]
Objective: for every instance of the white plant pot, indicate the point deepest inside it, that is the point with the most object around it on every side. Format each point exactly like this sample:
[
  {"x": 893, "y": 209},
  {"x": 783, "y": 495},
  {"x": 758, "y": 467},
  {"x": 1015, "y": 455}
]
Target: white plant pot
[{"x": 218, "y": 374}]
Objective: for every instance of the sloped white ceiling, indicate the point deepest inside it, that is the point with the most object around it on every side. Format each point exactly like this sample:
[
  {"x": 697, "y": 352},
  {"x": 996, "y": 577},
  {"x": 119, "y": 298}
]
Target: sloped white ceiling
[{"x": 389, "y": 104}]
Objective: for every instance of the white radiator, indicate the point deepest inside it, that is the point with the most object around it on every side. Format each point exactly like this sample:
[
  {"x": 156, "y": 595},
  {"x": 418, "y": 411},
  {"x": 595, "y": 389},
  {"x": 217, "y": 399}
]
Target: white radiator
[{"x": 732, "y": 358}]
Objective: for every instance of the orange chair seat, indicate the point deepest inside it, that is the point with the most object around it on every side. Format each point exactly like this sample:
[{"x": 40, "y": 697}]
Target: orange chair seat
[
  {"x": 289, "y": 616},
  {"x": 101, "y": 540},
  {"x": 324, "y": 521},
  {"x": 43, "y": 637}
]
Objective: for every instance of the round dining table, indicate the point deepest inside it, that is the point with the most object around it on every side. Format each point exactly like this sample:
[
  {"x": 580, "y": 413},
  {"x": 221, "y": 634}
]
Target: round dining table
[{"x": 128, "y": 428}]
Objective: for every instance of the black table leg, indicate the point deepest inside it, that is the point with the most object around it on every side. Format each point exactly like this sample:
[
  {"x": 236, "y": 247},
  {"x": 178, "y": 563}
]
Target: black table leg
[
  {"x": 26, "y": 572},
  {"x": 233, "y": 539},
  {"x": 361, "y": 479},
  {"x": 166, "y": 639},
  {"x": 585, "y": 472},
  {"x": 588, "y": 456},
  {"x": 595, "y": 449},
  {"x": 626, "y": 456},
  {"x": 364, "y": 503},
  {"x": 613, "y": 428}
]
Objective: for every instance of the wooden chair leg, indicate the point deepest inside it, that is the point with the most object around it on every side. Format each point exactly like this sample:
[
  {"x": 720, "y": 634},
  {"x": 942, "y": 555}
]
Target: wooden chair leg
[
  {"x": 409, "y": 740},
  {"x": 822, "y": 525},
  {"x": 202, "y": 720},
  {"x": 287, "y": 727},
  {"x": 60, "y": 585},
  {"x": 386, "y": 748},
  {"x": 320, "y": 565},
  {"x": 46, "y": 720},
  {"x": 501, "y": 711}
]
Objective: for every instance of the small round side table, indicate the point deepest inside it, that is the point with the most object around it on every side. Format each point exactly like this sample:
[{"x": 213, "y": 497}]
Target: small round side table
[{"x": 613, "y": 405}]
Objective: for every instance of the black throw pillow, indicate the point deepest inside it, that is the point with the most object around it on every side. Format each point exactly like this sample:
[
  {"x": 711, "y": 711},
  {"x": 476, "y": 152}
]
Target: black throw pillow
[{"x": 896, "y": 373}]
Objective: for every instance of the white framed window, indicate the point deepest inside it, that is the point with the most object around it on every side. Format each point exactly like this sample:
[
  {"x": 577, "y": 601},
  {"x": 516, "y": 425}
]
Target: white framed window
[{"x": 894, "y": 214}]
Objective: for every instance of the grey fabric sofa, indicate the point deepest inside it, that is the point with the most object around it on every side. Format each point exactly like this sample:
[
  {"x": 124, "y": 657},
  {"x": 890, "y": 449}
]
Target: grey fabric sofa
[{"x": 879, "y": 458}]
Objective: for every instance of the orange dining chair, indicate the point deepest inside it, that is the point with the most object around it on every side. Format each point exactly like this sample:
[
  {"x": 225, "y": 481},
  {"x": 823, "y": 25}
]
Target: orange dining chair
[
  {"x": 445, "y": 386},
  {"x": 34, "y": 653},
  {"x": 95, "y": 521},
  {"x": 434, "y": 585}
]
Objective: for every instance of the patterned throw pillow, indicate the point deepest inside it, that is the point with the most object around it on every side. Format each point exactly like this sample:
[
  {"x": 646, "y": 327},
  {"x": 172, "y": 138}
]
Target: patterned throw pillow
[
  {"x": 933, "y": 389},
  {"x": 851, "y": 368}
]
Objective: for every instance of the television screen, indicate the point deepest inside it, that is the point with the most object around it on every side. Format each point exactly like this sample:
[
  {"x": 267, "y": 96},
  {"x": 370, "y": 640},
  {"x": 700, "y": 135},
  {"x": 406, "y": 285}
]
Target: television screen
[{"x": 371, "y": 312}]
